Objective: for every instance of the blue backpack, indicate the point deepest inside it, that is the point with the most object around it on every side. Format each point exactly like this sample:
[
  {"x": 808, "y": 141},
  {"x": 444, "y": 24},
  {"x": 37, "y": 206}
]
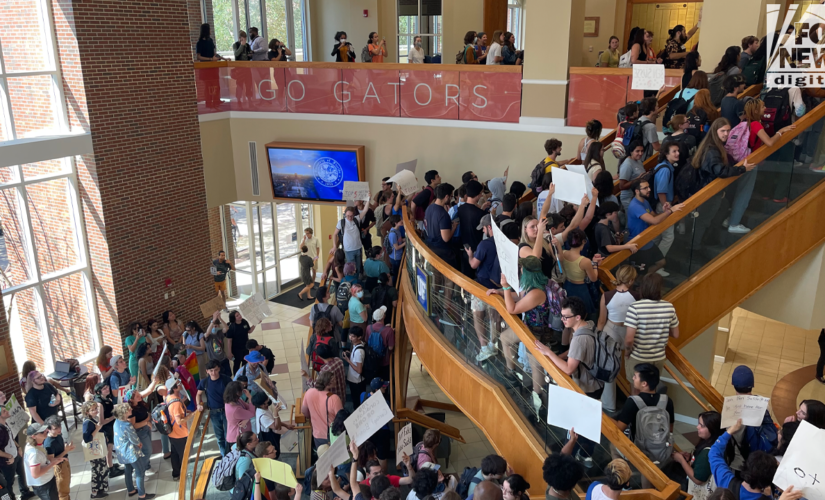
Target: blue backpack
[
  {"x": 590, "y": 489},
  {"x": 375, "y": 343}
]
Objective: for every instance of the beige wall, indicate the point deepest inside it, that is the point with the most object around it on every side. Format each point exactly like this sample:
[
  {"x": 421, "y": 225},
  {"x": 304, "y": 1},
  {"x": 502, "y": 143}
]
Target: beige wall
[
  {"x": 605, "y": 10},
  {"x": 459, "y": 17},
  {"x": 220, "y": 187},
  {"x": 330, "y": 16},
  {"x": 725, "y": 23}
]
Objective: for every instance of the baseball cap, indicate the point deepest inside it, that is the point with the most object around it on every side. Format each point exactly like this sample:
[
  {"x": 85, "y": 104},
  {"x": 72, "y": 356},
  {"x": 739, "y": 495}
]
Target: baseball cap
[
  {"x": 377, "y": 383},
  {"x": 36, "y": 429},
  {"x": 378, "y": 315},
  {"x": 742, "y": 376},
  {"x": 171, "y": 383},
  {"x": 487, "y": 220},
  {"x": 114, "y": 360}
]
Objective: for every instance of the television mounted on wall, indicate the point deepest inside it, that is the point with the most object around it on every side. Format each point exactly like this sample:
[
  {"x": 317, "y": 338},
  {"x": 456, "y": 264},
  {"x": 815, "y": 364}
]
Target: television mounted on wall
[{"x": 313, "y": 172}]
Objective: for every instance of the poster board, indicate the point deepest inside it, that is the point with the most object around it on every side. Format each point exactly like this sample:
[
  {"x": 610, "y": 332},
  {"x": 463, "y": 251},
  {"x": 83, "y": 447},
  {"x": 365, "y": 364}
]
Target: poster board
[
  {"x": 373, "y": 414},
  {"x": 209, "y": 307},
  {"x": 404, "y": 443},
  {"x": 579, "y": 169},
  {"x": 751, "y": 409},
  {"x": 803, "y": 464},
  {"x": 570, "y": 186},
  {"x": 356, "y": 191},
  {"x": 507, "y": 253},
  {"x": 18, "y": 416},
  {"x": 335, "y": 455},
  {"x": 406, "y": 181},
  {"x": 407, "y": 165},
  {"x": 568, "y": 409},
  {"x": 275, "y": 471},
  {"x": 254, "y": 309},
  {"x": 648, "y": 77}
]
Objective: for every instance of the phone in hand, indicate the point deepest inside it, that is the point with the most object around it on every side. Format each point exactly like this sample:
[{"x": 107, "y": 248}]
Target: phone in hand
[{"x": 466, "y": 246}]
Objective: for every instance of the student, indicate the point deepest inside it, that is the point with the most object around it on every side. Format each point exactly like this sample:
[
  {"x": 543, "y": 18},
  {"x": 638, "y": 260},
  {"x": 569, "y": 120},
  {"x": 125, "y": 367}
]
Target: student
[
  {"x": 440, "y": 228},
  {"x": 494, "y": 53},
  {"x": 640, "y": 217},
  {"x": 210, "y": 396},
  {"x": 177, "y": 438},
  {"x": 39, "y": 469},
  {"x": 631, "y": 169},
  {"x": 469, "y": 216},
  {"x": 675, "y": 50},
  {"x": 128, "y": 449},
  {"x": 577, "y": 267},
  {"x": 237, "y": 336},
  {"x": 645, "y": 379},
  {"x": 416, "y": 54},
  {"x": 762, "y": 438},
  {"x": 730, "y": 62},
  {"x": 469, "y": 56},
  {"x": 481, "y": 47},
  {"x": 374, "y": 266},
  {"x": 421, "y": 201},
  {"x": 692, "y": 63},
  {"x": 307, "y": 273},
  {"x": 606, "y": 229},
  {"x": 277, "y": 51},
  {"x": 697, "y": 82},
  {"x": 342, "y": 50},
  {"x": 702, "y": 114},
  {"x": 697, "y": 464},
  {"x": 348, "y": 234},
  {"x": 313, "y": 245},
  {"x": 510, "y": 56},
  {"x": 553, "y": 149},
  {"x": 650, "y": 321},
  {"x": 216, "y": 348},
  {"x": 484, "y": 260},
  {"x": 754, "y": 111},
  {"x": 617, "y": 479},
  {"x": 756, "y": 475},
  {"x": 377, "y": 48},
  {"x": 43, "y": 400},
  {"x": 56, "y": 448},
  {"x": 92, "y": 425},
  {"x": 562, "y": 473},
  {"x": 647, "y": 124},
  {"x": 493, "y": 468},
  {"x": 610, "y": 57},
  {"x": 663, "y": 188},
  {"x": 732, "y": 107},
  {"x": 812, "y": 411},
  {"x": 750, "y": 44},
  {"x": 355, "y": 359},
  {"x": 321, "y": 406}
]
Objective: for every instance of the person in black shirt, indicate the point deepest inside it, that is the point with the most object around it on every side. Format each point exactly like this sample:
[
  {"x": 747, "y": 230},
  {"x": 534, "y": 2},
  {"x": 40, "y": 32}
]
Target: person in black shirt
[
  {"x": 205, "y": 51},
  {"x": 605, "y": 230},
  {"x": 103, "y": 396},
  {"x": 56, "y": 448},
  {"x": 645, "y": 380},
  {"x": 506, "y": 221},
  {"x": 733, "y": 107},
  {"x": 439, "y": 226},
  {"x": 469, "y": 217},
  {"x": 238, "y": 335},
  {"x": 42, "y": 398},
  {"x": 222, "y": 266},
  {"x": 277, "y": 51},
  {"x": 205, "y": 48}
]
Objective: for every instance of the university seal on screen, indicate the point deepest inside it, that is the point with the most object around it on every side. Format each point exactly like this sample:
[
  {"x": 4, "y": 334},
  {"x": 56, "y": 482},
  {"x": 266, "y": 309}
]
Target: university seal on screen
[{"x": 328, "y": 172}]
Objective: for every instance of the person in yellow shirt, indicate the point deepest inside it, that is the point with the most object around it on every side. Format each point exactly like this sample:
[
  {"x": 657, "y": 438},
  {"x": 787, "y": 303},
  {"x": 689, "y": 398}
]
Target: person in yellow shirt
[
  {"x": 553, "y": 148},
  {"x": 179, "y": 433},
  {"x": 610, "y": 57}
]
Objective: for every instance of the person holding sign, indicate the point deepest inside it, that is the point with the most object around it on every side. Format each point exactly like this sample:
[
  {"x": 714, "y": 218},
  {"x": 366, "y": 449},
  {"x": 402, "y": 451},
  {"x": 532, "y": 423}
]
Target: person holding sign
[
  {"x": 11, "y": 457},
  {"x": 756, "y": 475},
  {"x": 92, "y": 425},
  {"x": 762, "y": 438}
]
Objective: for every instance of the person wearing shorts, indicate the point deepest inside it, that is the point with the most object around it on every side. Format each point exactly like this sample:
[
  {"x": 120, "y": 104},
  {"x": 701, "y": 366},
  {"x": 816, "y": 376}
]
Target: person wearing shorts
[{"x": 222, "y": 267}]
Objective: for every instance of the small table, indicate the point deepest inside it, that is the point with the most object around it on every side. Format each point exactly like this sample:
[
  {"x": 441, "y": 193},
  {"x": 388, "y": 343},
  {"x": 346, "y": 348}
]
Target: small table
[{"x": 73, "y": 386}]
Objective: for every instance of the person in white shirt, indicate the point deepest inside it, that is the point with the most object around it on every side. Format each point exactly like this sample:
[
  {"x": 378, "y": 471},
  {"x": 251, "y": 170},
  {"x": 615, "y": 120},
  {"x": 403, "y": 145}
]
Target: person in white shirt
[
  {"x": 416, "y": 54},
  {"x": 351, "y": 237},
  {"x": 258, "y": 45},
  {"x": 39, "y": 471},
  {"x": 494, "y": 53},
  {"x": 355, "y": 360}
]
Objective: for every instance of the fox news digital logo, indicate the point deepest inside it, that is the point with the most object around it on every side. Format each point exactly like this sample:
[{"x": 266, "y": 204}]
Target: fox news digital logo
[{"x": 796, "y": 55}]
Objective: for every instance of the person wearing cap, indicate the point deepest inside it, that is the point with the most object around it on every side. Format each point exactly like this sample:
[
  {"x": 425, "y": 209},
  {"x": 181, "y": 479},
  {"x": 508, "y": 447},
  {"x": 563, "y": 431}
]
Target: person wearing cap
[
  {"x": 177, "y": 438},
  {"x": 129, "y": 452},
  {"x": 387, "y": 335},
  {"x": 469, "y": 217},
  {"x": 121, "y": 376},
  {"x": 321, "y": 406},
  {"x": 268, "y": 421},
  {"x": 763, "y": 437},
  {"x": 9, "y": 451},
  {"x": 39, "y": 470},
  {"x": 266, "y": 352},
  {"x": 103, "y": 396},
  {"x": 253, "y": 369},
  {"x": 56, "y": 447},
  {"x": 488, "y": 272}
]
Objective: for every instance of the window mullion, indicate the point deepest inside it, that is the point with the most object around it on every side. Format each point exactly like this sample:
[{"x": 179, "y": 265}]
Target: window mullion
[
  {"x": 28, "y": 231},
  {"x": 290, "y": 26},
  {"x": 264, "y": 28},
  {"x": 5, "y": 107},
  {"x": 236, "y": 18},
  {"x": 45, "y": 330}
]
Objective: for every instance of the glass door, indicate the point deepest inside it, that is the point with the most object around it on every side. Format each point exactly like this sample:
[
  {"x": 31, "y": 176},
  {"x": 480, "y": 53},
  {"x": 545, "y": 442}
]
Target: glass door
[{"x": 238, "y": 250}]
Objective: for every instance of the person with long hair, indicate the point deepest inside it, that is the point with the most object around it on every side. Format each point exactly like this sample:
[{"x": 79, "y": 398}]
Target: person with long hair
[
  {"x": 754, "y": 111},
  {"x": 697, "y": 464},
  {"x": 39, "y": 470},
  {"x": 784, "y": 437},
  {"x": 173, "y": 329},
  {"x": 194, "y": 341},
  {"x": 713, "y": 162},
  {"x": 237, "y": 335},
  {"x": 159, "y": 380},
  {"x": 342, "y": 50},
  {"x": 577, "y": 267},
  {"x": 640, "y": 51},
  {"x": 603, "y": 183},
  {"x": 612, "y": 313},
  {"x": 154, "y": 335},
  {"x": 322, "y": 407},
  {"x": 729, "y": 65},
  {"x": 206, "y": 51},
  {"x": 509, "y": 54},
  {"x": 92, "y": 380},
  {"x": 104, "y": 355},
  {"x": 494, "y": 52},
  {"x": 514, "y": 487},
  {"x": 377, "y": 48},
  {"x": 594, "y": 160},
  {"x": 205, "y": 48},
  {"x": 692, "y": 63},
  {"x": 811, "y": 411},
  {"x": 593, "y": 132},
  {"x": 532, "y": 240},
  {"x": 141, "y": 422},
  {"x": 675, "y": 50},
  {"x": 610, "y": 57},
  {"x": 697, "y": 82},
  {"x": 469, "y": 56},
  {"x": 701, "y": 115},
  {"x": 103, "y": 397},
  {"x": 239, "y": 411}
]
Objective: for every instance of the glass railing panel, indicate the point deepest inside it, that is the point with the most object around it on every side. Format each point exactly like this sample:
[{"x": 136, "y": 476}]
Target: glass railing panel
[
  {"x": 486, "y": 340},
  {"x": 208, "y": 448}
]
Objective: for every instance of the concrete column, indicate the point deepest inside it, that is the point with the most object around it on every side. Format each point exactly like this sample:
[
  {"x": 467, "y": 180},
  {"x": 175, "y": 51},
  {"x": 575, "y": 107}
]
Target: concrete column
[{"x": 544, "y": 88}]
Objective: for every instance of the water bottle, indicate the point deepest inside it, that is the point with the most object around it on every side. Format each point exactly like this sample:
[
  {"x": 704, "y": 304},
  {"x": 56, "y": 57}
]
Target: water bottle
[{"x": 53, "y": 400}]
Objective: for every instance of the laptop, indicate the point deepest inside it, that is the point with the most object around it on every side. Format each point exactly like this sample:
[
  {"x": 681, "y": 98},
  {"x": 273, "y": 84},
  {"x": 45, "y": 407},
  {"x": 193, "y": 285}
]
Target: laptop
[{"x": 61, "y": 371}]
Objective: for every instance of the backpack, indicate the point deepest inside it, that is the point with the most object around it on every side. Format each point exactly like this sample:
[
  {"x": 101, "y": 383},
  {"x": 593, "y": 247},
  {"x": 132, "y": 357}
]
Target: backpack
[
  {"x": 650, "y": 177},
  {"x": 537, "y": 175},
  {"x": 375, "y": 343},
  {"x": 418, "y": 449},
  {"x": 317, "y": 362},
  {"x": 343, "y": 294},
  {"x": 365, "y": 54},
  {"x": 738, "y": 140},
  {"x": 688, "y": 182},
  {"x": 223, "y": 475},
  {"x": 736, "y": 484},
  {"x": 371, "y": 363},
  {"x": 624, "y": 60},
  {"x": 754, "y": 71},
  {"x": 607, "y": 359},
  {"x": 468, "y": 477},
  {"x": 244, "y": 486},
  {"x": 696, "y": 118},
  {"x": 653, "y": 429},
  {"x": 717, "y": 91},
  {"x": 459, "y": 58},
  {"x": 677, "y": 106},
  {"x": 162, "y": 418},
  {"x": 378, "y": 297},
  {"x": 388, "y": 248},
  {"x": 341, "y": 231},
  {"x": 777, "y": 111}
]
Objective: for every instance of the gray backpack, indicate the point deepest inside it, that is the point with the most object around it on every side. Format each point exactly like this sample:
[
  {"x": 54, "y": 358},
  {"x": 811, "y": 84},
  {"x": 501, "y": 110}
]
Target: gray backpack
[
  {"x": 607, "y": 358},
  {"x": 653, "y": 429}
]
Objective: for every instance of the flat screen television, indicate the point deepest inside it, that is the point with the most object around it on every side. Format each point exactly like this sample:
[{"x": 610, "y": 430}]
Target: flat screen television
[{"x": 313, "y": 172}]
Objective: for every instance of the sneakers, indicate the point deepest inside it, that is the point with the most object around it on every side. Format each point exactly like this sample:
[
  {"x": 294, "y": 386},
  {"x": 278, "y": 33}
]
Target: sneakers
[
  {"x": 797, "y": 163},
  {"x": 663, "y": 273},
  {"x": 586, "y": 461},
  {"x": 537, "y": 403},
  {"x": 726, "y": 222},
  {"x": 116, "y": 471},
  {"x": 820, "y": 170},
  {"x": 100, "y": 494},
  {"x": 486, "y": 352},
  {"x": 738, "y": 229}
]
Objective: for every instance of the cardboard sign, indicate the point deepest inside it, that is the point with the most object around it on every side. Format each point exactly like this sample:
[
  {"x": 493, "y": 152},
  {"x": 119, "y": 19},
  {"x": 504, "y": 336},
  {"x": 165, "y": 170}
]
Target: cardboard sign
[
  {"x": 335, "y": 455},
  {"x": 406, "y": 181},
  {"x": 407, "y": 165},
  {"x": 18, "y": 416},
  {"x": 803, "y": 464},
  {"x": 404, "y": 443},
  {"x": 568, "y": 409},
  {"x": 751, "y": 409},
  {"x": 368, "y": 418},
  {"x": 356, "y": 191},
  {"x": 570, "y": 186},
  {"x": 263, "y": 305},
  {"x": 579, "y": 169},
  {"x": 275, "y": 471},
  {"x": 96, "y": 448},
  {"x": 647, "y": 77},
  {"x": 208, "y": 308},
  {"x": 507, "y": 252}
]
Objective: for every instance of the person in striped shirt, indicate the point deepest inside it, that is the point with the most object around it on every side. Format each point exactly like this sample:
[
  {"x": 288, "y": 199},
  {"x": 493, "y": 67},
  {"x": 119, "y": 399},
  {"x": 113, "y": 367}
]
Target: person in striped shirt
[{"x": 649, "y": 322}]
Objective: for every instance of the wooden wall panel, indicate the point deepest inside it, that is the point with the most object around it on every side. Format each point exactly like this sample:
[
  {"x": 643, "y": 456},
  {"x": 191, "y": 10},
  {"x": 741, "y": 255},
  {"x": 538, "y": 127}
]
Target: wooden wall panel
[
  {"x": 495, "y": 17},
  {"x": 662, "y": 16}
]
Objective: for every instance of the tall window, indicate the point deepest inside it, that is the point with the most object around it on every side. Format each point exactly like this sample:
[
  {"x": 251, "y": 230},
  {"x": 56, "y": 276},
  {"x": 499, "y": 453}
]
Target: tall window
[
  {"x": 419, "y": 18},
  {"x": 281, "y": 19},
  {"x": 514, "y": 21}
]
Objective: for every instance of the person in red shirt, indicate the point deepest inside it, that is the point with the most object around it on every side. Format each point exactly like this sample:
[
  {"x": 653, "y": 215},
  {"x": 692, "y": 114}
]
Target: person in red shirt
[{"x": 374, "y": 470}]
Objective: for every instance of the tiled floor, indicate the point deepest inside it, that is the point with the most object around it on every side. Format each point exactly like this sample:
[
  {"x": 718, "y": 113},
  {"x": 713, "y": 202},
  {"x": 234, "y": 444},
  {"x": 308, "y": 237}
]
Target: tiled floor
[{"x": 772, "y": 349}]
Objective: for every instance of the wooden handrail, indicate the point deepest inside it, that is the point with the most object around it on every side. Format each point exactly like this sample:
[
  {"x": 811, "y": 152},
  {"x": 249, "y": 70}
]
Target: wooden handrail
[
  {"x": 658, "y": 479},
  {"x": 426, "y": 421},
  {"x": 190, "y": 440},
  {"x": 685, "y": 387},
  {"x": 464, "y": 68},
  {"x": 715, "y": 187}
]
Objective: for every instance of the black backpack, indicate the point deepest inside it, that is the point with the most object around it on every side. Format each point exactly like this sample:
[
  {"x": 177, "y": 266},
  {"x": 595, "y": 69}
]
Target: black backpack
[
  {"x": 777, "y": 111},
  {"x": 243, "y": 486},
  {"x": 649, "y": 177},
  {"x": 379, "y": 297},
  {"x": 696, "y": 119},
  {"x": 717, "y": 91},
  {"x": 162, "y": 418},
  {"x": 371, "y": 365},
  {"x": 537, "y": 175},
  {"x": 467, "y": 477},
  {"x": 267, "y": 353},
  {"x": 677, "y": 106},
  {"x": 754, "y": 71},
  {"x": 688, "y": 182}
]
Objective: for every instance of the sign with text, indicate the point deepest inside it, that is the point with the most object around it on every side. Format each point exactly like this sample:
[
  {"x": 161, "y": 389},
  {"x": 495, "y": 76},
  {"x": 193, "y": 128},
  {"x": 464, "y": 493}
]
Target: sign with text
[
  {"x": 751, "y": 409},
  {"x": 569, "y": 409},
  {"x": 588, "y": 184},
  {"x": 648, "y": 77},
  {"x": 209, "y": 307},
  {"x": 275, "y": 471},
  {"x": 570, "y": 186},
  {"x": 406, "y": 182},
  {"x": 356, "y": 191},
  {"x": 803, "y": 464},
  {"x": 335, "y": 455},
  {"x": 255, "y": 309},
  {"x": 507, "y": 253},
  {"x": 404, "y": 443},
  {"x": 18, "y": 416},
  {"x": 373, "y": 414}
]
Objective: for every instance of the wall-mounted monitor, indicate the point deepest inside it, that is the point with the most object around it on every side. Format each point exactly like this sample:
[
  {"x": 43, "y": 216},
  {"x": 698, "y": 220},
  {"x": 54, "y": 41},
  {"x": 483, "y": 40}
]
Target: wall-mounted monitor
[{"x": 313, "y": 172}]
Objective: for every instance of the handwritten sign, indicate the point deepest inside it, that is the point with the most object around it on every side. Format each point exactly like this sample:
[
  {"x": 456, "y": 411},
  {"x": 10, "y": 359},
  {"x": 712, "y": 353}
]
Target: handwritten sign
[
  {"x": 568, "y": 409},
  {"x": 570, "y": 186},
  {"x": 404, "y": 443},
  {"x": 254, "y": 309},
  {"x": 406, "y": 182},
  {"x": 803, "y": 464},
  {"x": 751, "y": 409},
  {"x": 18, "y": 416},
  {"x": 121, "y": 393},
  {"x": 407, "y": 165},
  {"x": 356, "y": 191},
  {"x": 507, "y": 252},
  {"x": 275, "y": 471},
  {"x": 263, "y": 305},
  {"x": 96, "y": 448},
  {"x": 368, "y": 418},
  {"x": 208, "y": 308},
  {"x": 647, "y": 77},
  {"x": 335, "y": 455},
  {"x": 579, "y": 169}
]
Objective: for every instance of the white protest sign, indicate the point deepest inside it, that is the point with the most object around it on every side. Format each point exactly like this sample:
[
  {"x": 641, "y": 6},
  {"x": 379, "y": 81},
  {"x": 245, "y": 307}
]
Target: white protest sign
[
  {"x": 803, "y": 464},
  {"x": 406, "y": 182},
  {"x": 263, "y": 305},
  {"x": 158, "y": 365},
  {"x": 751, "y": 409},
  {"x": 368, "y": 418},
  {"x": 407, "y": 165},
  {"x": 335, "y": 455},
  {"x": 507, "y": 253},
  {"x": 648, "y": 76},
  {"x": 404, "y": 443},
  {"x": 254, "y": 309},
  {"x": 579, "y": 169},
  {"x": 568, "y": 409},
  {"x": 356, "y": 191},
  {"x": 570, "y": 186},
  {"x": 18, "y": 416}
]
